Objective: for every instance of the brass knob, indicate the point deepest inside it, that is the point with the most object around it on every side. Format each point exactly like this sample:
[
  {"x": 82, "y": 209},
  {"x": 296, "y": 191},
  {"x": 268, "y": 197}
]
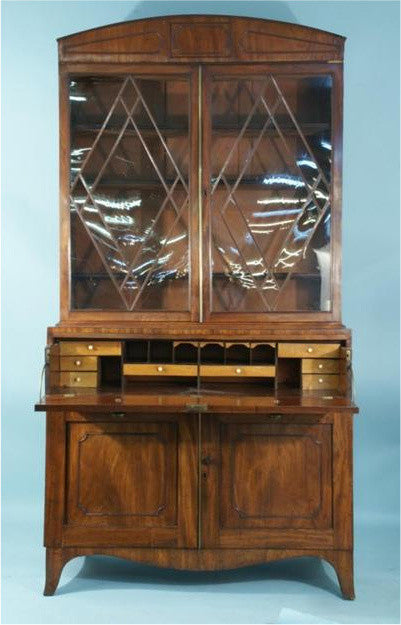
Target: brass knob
[
  {"x": 90, "y": 347},
  {"x": 238, "y": 370},
  {"x": 310, "y": 350},
  {"x": 77, "y": 379},
  {"x": 160, "y": 369},
  {"x": 320, "y": 380},
  {"x": 320, "y": 366},
  {"x": 78, "y": 363}
]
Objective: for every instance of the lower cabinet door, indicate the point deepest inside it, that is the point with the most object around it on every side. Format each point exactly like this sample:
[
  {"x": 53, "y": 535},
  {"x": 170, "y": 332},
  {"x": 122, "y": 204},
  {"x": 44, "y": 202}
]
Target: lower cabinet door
[
  {"x": 266, "y": 483},
  {"x": 132, "y": 483}
]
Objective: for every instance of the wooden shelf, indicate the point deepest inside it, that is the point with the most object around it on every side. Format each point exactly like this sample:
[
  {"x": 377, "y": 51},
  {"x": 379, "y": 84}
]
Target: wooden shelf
[
  {"x": 307, "y": 129},
  {"x": 281, "y": 274},
  {"x": 249, "y": 183},
  {"x": 171, "y": 131},
  {"x": 110, "y": 183},
  {"x": 130, "y": 132},
  {"x": 221, "y": 276}
]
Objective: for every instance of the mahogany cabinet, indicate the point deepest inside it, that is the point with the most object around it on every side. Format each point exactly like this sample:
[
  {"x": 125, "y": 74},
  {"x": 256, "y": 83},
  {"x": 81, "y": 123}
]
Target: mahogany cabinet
[{"x": 198, "y": 387}]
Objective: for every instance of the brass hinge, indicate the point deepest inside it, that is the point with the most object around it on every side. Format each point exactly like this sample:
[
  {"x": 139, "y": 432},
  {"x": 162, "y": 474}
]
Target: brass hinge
[
  {"x": 196, "y": 407},
  {"x": 335, "y": 61}
]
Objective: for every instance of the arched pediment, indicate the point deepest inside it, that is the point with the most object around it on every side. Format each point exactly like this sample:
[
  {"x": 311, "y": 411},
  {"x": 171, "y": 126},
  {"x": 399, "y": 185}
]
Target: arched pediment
[{"x": 208, "y": 38}]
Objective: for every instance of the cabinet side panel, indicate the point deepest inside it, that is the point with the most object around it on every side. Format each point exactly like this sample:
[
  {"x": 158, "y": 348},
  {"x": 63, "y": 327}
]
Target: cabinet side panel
[
  {"x": 336, "y": 187},
  {"x": 64, "y": 147},
  {"x": 342, "y": 481},
  {"x": 55, "y": 478}
]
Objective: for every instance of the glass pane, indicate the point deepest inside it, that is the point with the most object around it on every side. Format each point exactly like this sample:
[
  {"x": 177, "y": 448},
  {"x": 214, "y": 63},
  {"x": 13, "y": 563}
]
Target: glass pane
[
  {"x": 129, "y": 193},
  {"x": 270, "y": 193}
]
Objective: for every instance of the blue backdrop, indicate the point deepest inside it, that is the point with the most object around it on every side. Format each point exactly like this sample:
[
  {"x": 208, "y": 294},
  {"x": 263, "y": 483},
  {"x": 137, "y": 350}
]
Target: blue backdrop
[{"x": 30, "y": 234}]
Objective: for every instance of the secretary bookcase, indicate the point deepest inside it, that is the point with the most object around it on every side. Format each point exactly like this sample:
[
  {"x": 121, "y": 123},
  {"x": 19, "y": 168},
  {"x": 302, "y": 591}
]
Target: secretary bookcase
[{"x": 198, "y": 385}]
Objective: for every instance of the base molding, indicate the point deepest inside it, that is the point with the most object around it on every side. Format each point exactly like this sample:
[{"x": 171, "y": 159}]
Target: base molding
[{"x": 200, "y": 560}]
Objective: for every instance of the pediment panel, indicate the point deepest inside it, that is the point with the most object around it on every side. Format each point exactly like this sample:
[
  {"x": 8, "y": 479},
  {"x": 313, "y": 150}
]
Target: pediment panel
[{"x": 181, "y": 39}]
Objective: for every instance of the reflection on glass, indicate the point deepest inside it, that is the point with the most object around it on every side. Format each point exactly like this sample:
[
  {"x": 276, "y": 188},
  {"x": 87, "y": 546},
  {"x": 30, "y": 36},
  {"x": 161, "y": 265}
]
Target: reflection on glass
[
  {"x": 129, "y": 194},
  {"x": 270, "y": 193}
]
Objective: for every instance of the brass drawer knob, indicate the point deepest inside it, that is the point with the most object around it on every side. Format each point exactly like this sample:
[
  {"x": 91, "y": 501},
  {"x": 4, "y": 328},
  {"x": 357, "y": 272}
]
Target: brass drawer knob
[
  {"x": 77, "y": 379},
  {"x": 238, "y": 370},
  {"x": 320, "y": 366},
  {"x": 90, "y": 347},
  {"x": 160, "y": 369},
  {"x": 320, "y": 380},
  {"x": 78, "y": 363},
  {"x": 310, "y": 350}
]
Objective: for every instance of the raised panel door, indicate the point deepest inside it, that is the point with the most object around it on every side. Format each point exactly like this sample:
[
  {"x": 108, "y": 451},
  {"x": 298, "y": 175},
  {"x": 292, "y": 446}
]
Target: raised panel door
[
  {"x": 132, "y": 483},
  {"x": 267, "y": 484}
]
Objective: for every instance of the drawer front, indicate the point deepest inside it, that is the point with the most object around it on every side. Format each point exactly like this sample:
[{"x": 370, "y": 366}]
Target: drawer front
[
  {"x": 308, "y": 350},
  {"x": 316, "y": 365},
  {"x": 160, "y": 370},
  {"x": 311, "y": 382},
  {"x": 76, "y": 378},
  {"x": 267, "y": 371},
  {"x": 78, "y": 363},
  {"x": 90, "y": 348}
]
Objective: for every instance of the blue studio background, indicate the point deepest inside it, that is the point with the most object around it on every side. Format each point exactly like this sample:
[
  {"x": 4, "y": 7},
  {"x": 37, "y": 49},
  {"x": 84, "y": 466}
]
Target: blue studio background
[{"x": 101, "y": 590}]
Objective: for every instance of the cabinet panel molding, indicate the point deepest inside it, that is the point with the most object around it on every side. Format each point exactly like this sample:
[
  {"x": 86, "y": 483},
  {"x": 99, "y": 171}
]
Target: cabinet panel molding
[
  {"x": 272, "y": 496},
  {"x": 275, "y": 476},
  {"x": 201, "y": 40},
  {"x": 107, "y": 494}
]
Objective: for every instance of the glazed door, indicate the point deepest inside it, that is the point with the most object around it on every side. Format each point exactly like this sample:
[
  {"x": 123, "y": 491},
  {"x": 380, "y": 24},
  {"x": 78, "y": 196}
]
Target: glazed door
[
  {"x": 132, "y": 188},
  {"x": 132, "y": 483},
  {"x": 267, "y": 483},
  {"x": 271, "y": 140}
]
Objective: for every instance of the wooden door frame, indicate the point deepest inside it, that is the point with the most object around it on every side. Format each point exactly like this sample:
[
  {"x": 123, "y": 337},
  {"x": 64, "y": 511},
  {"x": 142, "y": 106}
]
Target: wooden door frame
[
  {"x": 66, "y": 70},
  {"x": 335, "y": 70},
  {"x": 338, "y": 536},
  {"x": 61, "y": 533}
]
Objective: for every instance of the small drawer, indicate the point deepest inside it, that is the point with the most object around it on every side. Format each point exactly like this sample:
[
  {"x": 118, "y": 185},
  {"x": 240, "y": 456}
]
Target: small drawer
[
  {"x": 320, "y": 382},
  {"x": 308, "y": 350},
  {"x": 238, "y": 371},
  {"x": 90, "y": 348},
  {"x": 316, "y": 365},
  {"x": 78, "y": 363},
  {"x": 160, "y": 370},
  {"x": 76, "y": 378}
]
